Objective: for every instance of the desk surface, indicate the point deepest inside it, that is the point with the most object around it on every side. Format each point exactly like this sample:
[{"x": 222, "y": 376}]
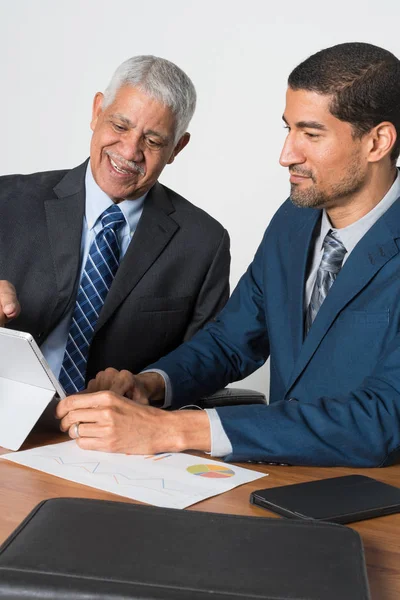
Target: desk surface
[{"x": 22, "y": 488}]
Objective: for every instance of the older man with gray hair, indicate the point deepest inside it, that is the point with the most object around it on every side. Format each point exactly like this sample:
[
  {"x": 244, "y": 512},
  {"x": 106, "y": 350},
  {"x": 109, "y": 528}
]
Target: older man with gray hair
[{"x": 102, "y": 264}]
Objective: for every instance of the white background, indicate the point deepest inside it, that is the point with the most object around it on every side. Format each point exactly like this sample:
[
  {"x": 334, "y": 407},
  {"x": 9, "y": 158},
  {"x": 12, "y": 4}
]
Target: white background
[{"x": 56, "y": 54}]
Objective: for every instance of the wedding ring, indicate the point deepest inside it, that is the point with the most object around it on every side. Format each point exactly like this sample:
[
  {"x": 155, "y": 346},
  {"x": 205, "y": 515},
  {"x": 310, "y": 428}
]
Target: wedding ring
[{"x": 76, "y": 430}]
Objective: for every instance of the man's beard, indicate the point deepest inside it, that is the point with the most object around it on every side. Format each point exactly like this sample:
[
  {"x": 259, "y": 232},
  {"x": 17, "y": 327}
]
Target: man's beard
[{"x": 312, "y": 197}]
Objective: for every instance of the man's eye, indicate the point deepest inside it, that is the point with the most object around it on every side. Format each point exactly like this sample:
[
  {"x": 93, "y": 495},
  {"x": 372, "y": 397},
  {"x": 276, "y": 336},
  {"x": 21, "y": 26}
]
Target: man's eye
[
  {"x": 312, "y": 135},
  {"x": 119, "y": 127},
  {"x": 153, "y": 143},
  {"x": 286, "y": 127}
]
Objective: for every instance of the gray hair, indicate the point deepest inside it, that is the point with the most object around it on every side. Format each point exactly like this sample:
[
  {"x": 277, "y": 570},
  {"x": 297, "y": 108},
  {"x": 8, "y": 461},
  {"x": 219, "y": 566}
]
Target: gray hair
[{"x": 160, "y": 79}]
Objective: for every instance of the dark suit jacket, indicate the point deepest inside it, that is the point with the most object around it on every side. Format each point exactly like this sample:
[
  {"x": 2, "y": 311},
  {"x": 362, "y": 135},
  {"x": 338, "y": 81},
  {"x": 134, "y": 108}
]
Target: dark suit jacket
[
  {"x": 335, "y": 396},
  {"x": 171, "y": 281}
]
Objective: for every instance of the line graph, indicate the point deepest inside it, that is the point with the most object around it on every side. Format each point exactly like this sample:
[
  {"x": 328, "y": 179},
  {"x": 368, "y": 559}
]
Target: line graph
[
  {"x": 174, "y": 480},
  {"x": 155, "y": 457},
  {"x": 158, "y": 485}
]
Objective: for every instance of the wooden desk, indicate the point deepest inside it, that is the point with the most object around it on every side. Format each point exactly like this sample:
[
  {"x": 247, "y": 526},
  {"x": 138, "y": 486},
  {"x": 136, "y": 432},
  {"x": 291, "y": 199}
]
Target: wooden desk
[{"x": 22, "y": 488}]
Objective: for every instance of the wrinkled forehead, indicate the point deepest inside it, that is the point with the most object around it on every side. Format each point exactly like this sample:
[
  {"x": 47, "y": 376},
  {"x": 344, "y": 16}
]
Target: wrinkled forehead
[{"x": 135, "y": 107}]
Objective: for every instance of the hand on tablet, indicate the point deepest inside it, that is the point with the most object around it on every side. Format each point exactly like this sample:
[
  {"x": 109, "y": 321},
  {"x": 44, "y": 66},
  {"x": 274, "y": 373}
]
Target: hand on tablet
[{"x": 9, "y": 305}]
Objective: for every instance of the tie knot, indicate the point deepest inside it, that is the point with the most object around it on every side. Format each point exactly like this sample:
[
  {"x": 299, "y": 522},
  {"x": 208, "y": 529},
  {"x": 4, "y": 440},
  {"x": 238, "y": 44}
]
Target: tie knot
[
  {"x": 112, "y": 217},
  {"x": 333, "y": 255}
]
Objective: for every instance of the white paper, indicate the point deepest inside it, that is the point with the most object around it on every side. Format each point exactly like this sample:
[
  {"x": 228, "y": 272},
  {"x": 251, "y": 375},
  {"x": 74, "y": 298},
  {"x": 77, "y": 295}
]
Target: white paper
[{"x": 172, "y": 480}]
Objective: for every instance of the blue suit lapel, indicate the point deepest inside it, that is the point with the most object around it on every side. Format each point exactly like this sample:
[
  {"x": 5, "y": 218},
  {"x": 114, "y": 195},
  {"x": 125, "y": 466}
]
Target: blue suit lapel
[
  {"x": 301, "y": 242},
  {"x": 373, "y": 251}
]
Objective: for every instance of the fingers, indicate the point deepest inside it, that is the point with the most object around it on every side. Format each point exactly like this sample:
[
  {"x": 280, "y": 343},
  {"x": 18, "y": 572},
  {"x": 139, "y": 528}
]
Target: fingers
[
  {"x": 90, "y": 437},
  {"x": 102, "y": 381},
  {"x": 93, "y": 415},
  {"x": 9, "y": 305},
  {"x": 85, "y": 401},
  {"x": 124, "y": 384},
  {"x": 90, "y": 430},
  {"x": 120, "y": 382}
]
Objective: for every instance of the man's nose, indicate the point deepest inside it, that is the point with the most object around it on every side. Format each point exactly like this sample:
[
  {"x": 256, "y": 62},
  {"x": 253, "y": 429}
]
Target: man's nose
[
  {"x": 291, "y": 153},
  {"x": 132, "y": 148}
]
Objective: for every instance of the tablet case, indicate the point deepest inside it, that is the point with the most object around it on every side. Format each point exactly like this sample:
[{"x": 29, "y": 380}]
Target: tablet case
[
  {"x": 338, "y": 499},
  {"x": 92, "y": 549},
  {"x": 27, "y": 387}
]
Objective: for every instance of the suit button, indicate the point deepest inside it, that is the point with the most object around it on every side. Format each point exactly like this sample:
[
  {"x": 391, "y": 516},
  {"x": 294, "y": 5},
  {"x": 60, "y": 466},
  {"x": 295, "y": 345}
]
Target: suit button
[
  {"x": 40, "y": 335},
  {"x": 292, "y": 400}
]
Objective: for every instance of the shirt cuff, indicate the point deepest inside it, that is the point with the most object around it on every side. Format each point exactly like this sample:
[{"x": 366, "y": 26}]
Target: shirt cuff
[
  {"x": 220, "y": 443},
  {"x": 167, "y": 383}
]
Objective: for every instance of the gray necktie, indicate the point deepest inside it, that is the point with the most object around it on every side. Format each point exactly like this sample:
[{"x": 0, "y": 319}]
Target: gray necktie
[{"x": 331, "y": 263}]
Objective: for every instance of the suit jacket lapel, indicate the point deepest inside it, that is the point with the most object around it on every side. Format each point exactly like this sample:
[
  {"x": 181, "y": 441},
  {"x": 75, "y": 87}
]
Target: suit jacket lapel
[
  {"x": 373, "y": 251},
  {"x": 64, "y": 214},
  {"x": 154, "y": 231},
  {"x": 301, "y": 239}
]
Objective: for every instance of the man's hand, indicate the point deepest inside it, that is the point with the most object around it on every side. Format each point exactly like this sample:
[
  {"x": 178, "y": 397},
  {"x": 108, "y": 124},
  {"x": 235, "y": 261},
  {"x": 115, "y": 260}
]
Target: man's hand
[
  {"x": 9, "y": 305},
  {"x": 143, "y": 388},
  {"x": 110, "y": 423}
]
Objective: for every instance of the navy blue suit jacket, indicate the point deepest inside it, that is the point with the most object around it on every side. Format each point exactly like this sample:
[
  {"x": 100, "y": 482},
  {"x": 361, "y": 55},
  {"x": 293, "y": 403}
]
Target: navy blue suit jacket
[{"x": 335, "y": 395}]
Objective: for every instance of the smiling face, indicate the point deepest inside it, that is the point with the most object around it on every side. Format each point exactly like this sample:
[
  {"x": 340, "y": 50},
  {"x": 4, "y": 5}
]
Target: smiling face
[
  {"x": 132, "y": 141},
  {"x": 328, "y": 166}
]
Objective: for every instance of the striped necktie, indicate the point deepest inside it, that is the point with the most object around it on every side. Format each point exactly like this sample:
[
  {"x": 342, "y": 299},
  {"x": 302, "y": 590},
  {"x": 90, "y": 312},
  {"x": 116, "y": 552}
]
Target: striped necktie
[
  {"x": 97, "y": 277},
  {"x": 331, "y": 263}
]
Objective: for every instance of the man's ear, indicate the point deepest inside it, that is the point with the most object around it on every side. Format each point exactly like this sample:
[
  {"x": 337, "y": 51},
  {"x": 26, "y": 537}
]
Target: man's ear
[
  {"x": 182, "y": 142},
  {"x": 96, "y": 109},
  {"x": 382, "y": 138}
]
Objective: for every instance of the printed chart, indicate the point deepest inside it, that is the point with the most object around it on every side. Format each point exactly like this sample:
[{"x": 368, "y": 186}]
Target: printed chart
[
  {"x": 211, "y": 471},
  {"x": 170, "y": 480}
]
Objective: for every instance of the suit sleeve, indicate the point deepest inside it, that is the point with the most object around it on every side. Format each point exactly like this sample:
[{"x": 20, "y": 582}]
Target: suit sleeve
[
  {"x": 215, "y": 289},
  {"x": 225, "y": 350},
  {"x": 359, "y": 429}
]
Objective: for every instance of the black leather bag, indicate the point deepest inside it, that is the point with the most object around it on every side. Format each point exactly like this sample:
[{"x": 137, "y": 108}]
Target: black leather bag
[{"x": 75, "y": 549}]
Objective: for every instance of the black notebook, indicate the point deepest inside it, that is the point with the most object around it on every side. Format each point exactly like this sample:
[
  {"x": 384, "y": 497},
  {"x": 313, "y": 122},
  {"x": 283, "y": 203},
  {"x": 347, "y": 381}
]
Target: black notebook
[
  {"x": 337, "y": 499},
  {"x": 91, "y": 549}
]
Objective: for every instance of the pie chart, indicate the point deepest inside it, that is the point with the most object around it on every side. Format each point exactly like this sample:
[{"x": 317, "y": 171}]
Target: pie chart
[{"x": 211, "y": 471}]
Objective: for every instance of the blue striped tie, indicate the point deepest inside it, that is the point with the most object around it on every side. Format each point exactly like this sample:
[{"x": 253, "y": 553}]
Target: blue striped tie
[
  {"x": 97, "y": 277},
  {"x": 331, "y": 263}
]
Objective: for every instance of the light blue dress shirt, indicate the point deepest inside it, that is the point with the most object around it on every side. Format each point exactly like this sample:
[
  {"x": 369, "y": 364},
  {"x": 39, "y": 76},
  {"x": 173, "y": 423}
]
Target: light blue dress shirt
[
  {"x": 96, "y": 202},
  {"x": 350, "y": 236}
]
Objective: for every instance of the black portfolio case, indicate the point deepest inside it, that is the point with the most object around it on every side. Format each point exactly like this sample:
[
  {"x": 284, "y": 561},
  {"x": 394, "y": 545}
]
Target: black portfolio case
[{"x": 92, "y": 549}]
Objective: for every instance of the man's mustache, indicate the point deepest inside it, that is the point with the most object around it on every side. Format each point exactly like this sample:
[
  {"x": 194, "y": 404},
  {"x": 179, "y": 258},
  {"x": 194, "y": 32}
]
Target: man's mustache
[
  {"x": 128, "y": 164},
  {"x": 301, "y": 172}
]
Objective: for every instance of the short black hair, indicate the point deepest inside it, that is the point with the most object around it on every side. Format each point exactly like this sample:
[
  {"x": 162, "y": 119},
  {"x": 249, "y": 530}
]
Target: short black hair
[{"x": 363, "y": 80}]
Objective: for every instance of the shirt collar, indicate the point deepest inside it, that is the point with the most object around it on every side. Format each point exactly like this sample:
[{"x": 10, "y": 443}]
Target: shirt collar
[
  {"x": 97, "y": 201},
  {"x": 351, "y": 235}
]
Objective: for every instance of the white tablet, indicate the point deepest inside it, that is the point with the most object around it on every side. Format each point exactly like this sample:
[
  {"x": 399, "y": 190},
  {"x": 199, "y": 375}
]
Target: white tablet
[{"x": 27, "y": 386}]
